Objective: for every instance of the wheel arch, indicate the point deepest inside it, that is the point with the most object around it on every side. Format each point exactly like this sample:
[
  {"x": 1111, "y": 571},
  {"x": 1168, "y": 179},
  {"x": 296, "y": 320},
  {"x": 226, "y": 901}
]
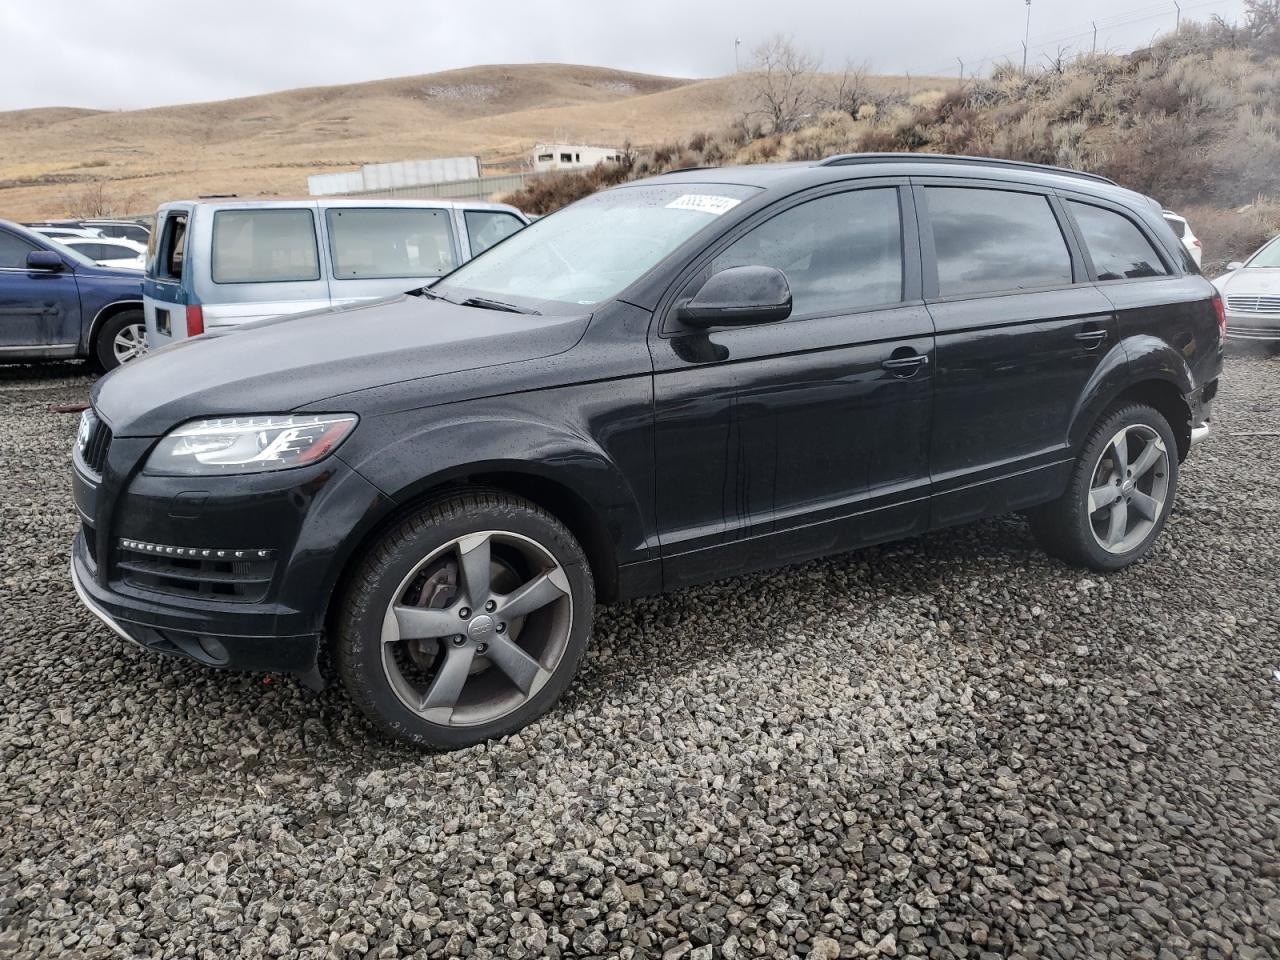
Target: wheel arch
[
  {"x": 104, "y": 314},
  {"x": 1140, "y": 370}
]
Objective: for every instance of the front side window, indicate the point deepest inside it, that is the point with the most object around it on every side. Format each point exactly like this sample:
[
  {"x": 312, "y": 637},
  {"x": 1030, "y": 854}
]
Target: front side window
[
  {"x": 381, "y": 242},
  {"x": 487, "y": 227},
  {"x": 988, "y": 241},
  {"x": 840, "y": 253},
  {"x": 14, "y": 250},
  {"x": 595, "y": 248},
  {"x": 1119, "y": 250},
  {"x": 264, "y": 246}
]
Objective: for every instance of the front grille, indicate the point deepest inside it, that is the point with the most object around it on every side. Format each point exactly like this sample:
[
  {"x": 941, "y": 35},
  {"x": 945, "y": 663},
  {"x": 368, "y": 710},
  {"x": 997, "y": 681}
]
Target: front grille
[
  {"x": 210, "y": 573},
  {"x": 1254, "y": 304},
  {"x": 96, "y": 442}
]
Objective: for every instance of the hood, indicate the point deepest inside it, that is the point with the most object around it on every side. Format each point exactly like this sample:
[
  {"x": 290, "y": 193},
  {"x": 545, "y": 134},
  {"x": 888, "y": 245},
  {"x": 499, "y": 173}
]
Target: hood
[
  {"x": 1250, "y": 282},
  {"x": 278, "y": 365}
]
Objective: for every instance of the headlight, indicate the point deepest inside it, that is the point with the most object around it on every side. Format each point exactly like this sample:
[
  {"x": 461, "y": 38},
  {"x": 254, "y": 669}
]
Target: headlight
[{"x": 252, "y": 444}]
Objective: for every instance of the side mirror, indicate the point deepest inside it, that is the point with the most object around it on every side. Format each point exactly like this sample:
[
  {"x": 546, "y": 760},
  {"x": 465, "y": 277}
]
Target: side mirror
[
  {"x": 739, "y": 296},
  {"x": 1234, "y": 265},
  {"x": 44, "y": 260}
]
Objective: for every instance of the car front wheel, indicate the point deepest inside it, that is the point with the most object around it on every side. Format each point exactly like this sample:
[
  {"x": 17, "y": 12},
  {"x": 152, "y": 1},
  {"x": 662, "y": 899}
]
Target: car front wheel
[
  {"x": 1121, "y": 491},
  {"x": 466, "y": 621}
]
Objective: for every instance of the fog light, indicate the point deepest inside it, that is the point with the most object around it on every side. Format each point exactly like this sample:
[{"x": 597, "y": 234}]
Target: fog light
[{"x": 214, "y": 650}]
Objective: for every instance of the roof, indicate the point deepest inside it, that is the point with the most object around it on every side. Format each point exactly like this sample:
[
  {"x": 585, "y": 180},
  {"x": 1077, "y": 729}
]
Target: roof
[
  {"x": 261, "y": 202},
  {"x": 796, "y": 175}
]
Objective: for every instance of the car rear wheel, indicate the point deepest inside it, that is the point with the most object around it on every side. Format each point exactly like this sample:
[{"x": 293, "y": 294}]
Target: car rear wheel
[
  {"x": 1121, "y": 491},
  {"x": 121, "y": 338},
  {"x": 466, "y": 621}
]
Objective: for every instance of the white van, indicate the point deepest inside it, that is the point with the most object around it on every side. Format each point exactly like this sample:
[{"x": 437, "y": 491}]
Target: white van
[{"x": 218, "y": 263}]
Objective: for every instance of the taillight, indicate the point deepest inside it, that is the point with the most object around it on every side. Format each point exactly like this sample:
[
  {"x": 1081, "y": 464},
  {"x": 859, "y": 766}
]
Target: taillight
[
  {"x": 1221, "y": 309},
  {"x": 1197, "y": 244},
  {"x": 195, "y": 320}
]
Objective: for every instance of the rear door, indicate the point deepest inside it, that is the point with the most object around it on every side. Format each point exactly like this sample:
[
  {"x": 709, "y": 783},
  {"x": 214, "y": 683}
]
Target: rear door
[
  {"x": 39, "y": 309},
  {"x": 1020, "y": 332},
  {"x": 783, "y": 441},
  {"x": 382, "y": 249}
]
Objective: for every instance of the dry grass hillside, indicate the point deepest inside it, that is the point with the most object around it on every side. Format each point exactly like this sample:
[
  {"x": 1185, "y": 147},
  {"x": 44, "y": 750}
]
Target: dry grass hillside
[{"x": 51, "y": 159}]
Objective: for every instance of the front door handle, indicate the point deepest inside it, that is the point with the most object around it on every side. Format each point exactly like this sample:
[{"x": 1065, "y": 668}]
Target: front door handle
[
  {"x": 1091, "y": 339},
  {"x": 905, "y": 365}
]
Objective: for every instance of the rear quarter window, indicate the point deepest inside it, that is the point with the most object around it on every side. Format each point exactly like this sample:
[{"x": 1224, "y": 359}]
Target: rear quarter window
[
  {"x": 167, "y": 255},
  {"x": 264, "y": 246},
  {"x": 1118, "y": 248}
]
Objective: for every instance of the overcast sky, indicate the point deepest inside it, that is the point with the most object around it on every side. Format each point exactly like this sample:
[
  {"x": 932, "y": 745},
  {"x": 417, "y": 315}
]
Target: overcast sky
[{"x": 140, "y": 53}]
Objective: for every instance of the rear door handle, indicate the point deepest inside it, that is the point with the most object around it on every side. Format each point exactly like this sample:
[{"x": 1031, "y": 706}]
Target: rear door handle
[
  {"x": 1091, "y": 339},
  {"x": 905, "y": 366}
]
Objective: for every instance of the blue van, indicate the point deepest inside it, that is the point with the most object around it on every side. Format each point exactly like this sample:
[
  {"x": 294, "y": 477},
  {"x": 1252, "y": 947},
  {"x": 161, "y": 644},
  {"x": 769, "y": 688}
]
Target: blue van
[{"x": 218, "y": 263}]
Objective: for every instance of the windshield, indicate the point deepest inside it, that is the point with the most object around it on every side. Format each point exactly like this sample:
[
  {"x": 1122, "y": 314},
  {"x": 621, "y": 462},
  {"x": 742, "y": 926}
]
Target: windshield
[
  {"x": 1268, "y": 256},
  {"x": 595, "y": 248}
]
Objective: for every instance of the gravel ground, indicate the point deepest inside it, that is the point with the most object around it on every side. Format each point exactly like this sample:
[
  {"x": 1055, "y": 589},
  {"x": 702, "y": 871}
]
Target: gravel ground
[{"x": 950, "y": 747}]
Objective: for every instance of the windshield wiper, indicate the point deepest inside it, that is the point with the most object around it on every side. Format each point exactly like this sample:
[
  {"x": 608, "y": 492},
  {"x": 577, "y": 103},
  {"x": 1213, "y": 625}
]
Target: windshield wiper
[
  {"x": 429, "y": 294},
  {"x": 485, "y": 303}
]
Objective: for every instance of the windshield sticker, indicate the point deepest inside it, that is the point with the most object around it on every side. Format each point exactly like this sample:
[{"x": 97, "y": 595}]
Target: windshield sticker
[{"x": 703, "y": 203}]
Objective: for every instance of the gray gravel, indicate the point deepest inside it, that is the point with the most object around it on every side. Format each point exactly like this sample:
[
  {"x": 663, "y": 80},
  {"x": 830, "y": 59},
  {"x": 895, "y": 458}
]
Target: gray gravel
[{"x": 950, "y": 747}]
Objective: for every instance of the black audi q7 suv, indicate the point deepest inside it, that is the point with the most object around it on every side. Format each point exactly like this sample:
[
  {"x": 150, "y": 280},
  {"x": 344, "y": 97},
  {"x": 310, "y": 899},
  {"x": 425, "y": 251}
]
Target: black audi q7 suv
[{"x": 683, "y": 378}]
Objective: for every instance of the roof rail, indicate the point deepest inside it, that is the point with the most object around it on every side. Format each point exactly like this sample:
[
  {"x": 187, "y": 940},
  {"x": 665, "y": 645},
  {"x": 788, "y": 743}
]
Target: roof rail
[{"x": 850, "y": 159}]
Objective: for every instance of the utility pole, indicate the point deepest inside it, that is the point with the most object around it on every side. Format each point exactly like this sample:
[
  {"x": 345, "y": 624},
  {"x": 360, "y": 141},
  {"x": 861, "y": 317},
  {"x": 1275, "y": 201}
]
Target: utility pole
[
  {"x": 961, "y": 62},
  {"x": 1095, "y": 35},
  {"x": 1026, "y": 38},
  {"x": 1177, "y": 26},
  {"x": 737, "y": 68}
]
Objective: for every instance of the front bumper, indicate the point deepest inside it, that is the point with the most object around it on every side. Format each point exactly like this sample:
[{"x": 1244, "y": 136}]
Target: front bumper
[
  {"x": 1253, "y": 327},
  {"x": 151, "y": 626}
]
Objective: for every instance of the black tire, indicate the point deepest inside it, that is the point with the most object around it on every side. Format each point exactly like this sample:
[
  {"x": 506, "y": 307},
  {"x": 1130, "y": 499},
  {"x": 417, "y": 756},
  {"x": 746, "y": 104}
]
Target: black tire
[
  {"x": 1066, "y": 528},
  {"x": 103, "y": 347},
  {"x": 398, "y": 556}
]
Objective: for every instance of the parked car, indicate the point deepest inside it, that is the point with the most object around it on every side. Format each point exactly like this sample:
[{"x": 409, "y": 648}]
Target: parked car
[
  {"x": 1252, "y": 293},
  {"x": 215, "y": 264},
  {"x": 62, "y": 233},
  {"x": 57, "y": 303},
  {"x": 132, "y": 230},
  {"x": 1182, "y": 230},
  {"x": 108, "y": 253},
  {"x": 684, "y": 378}
]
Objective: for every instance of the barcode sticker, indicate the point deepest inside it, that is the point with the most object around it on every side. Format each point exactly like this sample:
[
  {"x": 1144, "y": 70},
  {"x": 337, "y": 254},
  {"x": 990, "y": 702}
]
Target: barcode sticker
[{"x": 703, "y": 203}]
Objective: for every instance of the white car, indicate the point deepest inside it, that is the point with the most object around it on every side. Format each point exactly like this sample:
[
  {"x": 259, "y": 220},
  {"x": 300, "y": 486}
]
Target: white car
[
  {"x": 1251, "y": 292},
  {"x": 1183, "y": 231},
  {"x": 62, "y": 233},
  {"x": 108, "y": 253}
]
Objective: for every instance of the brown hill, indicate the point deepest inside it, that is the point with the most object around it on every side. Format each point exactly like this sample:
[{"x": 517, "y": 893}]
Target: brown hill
[{"x": 51, "y": 158}]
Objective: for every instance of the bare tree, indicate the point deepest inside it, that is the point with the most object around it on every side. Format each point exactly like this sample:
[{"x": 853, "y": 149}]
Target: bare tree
[
  {"x": 99, "y": 199},
  {"x": 849, "y": 91},
  {"x": 783, "y": 84}
]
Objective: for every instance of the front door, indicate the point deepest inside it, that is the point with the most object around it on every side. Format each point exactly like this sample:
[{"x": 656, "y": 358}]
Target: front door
[
  {"x": 1020, "y": 332},
  {"x": 39, "y": 309},
  {"x": 783, "y": 441}
]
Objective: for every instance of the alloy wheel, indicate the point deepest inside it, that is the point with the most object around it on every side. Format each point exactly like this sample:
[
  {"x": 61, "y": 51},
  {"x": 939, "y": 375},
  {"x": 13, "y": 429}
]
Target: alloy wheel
[
  {"x": 1130, "y": 488},
  {"x": 130, "y": 342},
  {"x": 477, "y": 628}
]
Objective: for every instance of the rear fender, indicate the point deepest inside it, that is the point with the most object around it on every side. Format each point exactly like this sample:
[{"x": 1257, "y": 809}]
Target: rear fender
[{"x": 1128, "y": 366}]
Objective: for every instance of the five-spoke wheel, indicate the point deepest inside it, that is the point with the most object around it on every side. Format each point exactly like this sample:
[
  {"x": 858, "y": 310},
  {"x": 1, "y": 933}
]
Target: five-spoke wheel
[
  {"x": 1119, "y": 494},
  {"x": 466, "y": 621}
]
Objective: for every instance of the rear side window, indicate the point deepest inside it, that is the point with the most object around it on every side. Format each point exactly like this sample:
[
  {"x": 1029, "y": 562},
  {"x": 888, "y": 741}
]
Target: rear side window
[
  {"x": 993, "y": 240},
  {"x": 14, "y": 250},
  {"x": 264, "y": 246},
  {"x": 840, "y": 253},
  {"x": 487, "y": 227},
  {"x": 367, "y": 244},
  {"x": 170, "y": 251},
  {"x": 1119, "y": 250}
]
